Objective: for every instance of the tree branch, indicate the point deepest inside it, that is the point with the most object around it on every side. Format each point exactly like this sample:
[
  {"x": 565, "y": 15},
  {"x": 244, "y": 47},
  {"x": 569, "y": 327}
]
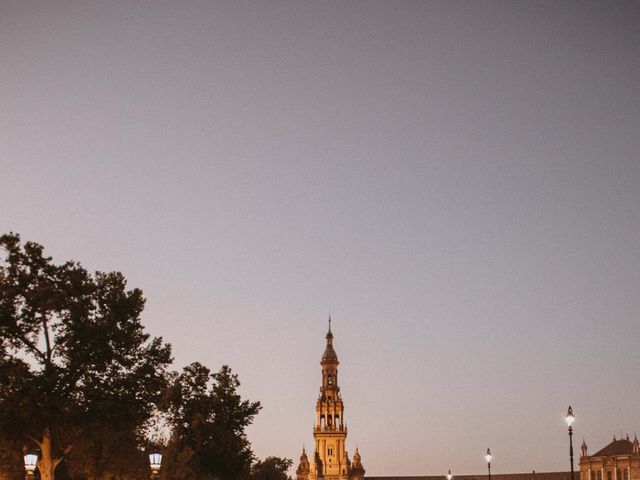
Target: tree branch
[
  {"x": 18, "y": 335},
  {"x": 45, "y": 327},
  {"x": 37, "y": 442},
  {"x": 65, "y": 452}
]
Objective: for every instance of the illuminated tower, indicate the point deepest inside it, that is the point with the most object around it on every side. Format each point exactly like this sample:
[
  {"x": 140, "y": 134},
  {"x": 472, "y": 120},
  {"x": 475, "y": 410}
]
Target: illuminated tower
[{"x": 330, "y": 460}]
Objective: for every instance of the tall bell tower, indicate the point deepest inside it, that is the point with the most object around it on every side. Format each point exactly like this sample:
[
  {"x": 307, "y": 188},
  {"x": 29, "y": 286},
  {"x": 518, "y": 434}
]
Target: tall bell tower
[{"x": 330, "y": 460}]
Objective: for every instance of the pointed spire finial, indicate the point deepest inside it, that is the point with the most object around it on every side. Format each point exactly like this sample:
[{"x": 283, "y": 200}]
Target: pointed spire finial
[{"x": 329, "y": 335}]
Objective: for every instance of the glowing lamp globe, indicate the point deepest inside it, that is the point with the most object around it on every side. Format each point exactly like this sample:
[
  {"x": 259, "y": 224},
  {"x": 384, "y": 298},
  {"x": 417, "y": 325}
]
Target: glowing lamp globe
[
  {"x": 449, "y": 476},
  {"x": 488, "y": 456},
  {"x": 570, "y": 418},
  {"x": 30, "y": 462},
  {"x": 155, "y": 460}
]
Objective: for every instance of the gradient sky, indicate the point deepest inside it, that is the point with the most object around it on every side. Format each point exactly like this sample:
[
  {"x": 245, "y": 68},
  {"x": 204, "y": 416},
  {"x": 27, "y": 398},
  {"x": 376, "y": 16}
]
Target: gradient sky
[{"x": 456, "y": 183}]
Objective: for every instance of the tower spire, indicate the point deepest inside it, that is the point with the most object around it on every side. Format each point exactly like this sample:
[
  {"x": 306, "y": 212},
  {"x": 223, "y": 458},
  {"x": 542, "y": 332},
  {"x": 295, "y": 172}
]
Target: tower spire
[
  {"x": 330, "y": 460},
  {"x": 329, "y": 336}
]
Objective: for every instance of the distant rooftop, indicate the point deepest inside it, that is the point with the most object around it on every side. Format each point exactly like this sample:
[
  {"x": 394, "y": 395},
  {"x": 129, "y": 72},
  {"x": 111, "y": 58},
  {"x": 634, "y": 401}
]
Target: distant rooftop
[
  {"x": 617, "y": 447},
  {"x": 498, "y": 476}
]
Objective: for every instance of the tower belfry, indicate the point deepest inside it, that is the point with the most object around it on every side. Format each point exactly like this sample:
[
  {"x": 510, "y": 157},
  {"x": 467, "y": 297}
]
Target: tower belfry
[{"x": 330, "y": 460}]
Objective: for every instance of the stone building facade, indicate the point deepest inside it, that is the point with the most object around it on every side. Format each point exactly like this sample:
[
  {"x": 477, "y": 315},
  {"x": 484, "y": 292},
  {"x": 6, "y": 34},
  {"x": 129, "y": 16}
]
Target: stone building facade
[
  {"x": 620, "y": 460},
  {"x": 330, "y": 460}
]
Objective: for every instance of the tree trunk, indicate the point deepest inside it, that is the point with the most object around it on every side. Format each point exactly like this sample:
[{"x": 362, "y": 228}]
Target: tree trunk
[{"x": 47, "y": 463}]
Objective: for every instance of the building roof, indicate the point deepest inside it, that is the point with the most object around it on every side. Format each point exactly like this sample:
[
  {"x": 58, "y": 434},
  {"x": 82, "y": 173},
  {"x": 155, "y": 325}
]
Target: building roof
[
  {"x": 499, "y": 476},
  {"x": 329, "y": 353},
  {"x": 617, "y": 447}
]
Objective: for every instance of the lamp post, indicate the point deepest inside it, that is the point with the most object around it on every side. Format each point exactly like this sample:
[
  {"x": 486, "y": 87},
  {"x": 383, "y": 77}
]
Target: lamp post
[
  {"x": 449, "y": 476},
  {"x": 155, "y": 461},
  {"x": 570, "y": 418},
  {"x": 488, "y": 458},
  {"x": 30, "y": 464}
]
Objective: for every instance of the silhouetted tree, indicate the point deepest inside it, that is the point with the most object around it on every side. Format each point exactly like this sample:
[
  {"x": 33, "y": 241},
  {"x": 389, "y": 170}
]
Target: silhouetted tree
[
  {"x": 209, "y": 418},
  {"x": 271, "y": 468},
  {"x": 78, "y": 373}
]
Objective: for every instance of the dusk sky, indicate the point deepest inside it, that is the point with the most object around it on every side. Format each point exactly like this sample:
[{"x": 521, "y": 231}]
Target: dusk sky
[{"x": 456, "y": 183}]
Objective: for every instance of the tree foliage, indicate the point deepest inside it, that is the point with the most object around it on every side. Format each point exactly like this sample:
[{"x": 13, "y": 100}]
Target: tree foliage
[
  {"x": 271, "y": 468},
  {"x": 208, "y": 419},
  {"x": 80, "y": 379},
  {"x": 78, "y": 373}
]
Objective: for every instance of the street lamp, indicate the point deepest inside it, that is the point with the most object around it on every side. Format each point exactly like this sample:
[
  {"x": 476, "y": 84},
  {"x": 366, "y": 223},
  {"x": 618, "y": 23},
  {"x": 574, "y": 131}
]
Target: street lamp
[
  {"x": 570, "y": 418},
  {"x": 30, "y": 464},
  {"x": 449, "y": 476},
  {"x": 488, "y": 458},
  {"x": 155, "y": 461}
]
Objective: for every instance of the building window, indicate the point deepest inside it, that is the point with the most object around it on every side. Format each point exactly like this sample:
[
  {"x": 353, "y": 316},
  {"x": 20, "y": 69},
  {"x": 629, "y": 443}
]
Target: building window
[
  {"x": 609, "y": 475},
  {"x": 625, "y": 474},
  {"x": 599, "y": 474}
]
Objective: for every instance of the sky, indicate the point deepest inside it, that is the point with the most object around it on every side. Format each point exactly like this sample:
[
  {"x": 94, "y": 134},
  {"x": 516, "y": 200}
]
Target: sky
[{"x": 456, "y": 183}]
